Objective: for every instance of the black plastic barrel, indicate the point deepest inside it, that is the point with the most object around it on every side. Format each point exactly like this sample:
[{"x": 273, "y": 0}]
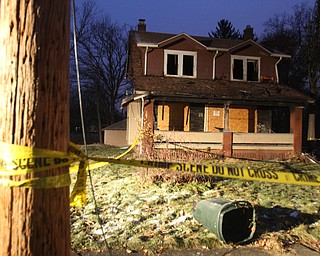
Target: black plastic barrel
[{"x": 232, "y": 221}]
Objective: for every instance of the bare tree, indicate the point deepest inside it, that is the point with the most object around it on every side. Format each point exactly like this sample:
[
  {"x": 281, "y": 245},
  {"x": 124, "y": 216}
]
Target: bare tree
[
  {"x": 311, "y": 49},
  {"x": 102, "y": 48},
  {"x": 298, "y": 35}
]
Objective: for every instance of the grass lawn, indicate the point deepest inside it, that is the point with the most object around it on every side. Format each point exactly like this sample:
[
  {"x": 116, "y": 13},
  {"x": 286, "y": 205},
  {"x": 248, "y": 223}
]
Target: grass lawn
[{"x": 151, "y": 210}]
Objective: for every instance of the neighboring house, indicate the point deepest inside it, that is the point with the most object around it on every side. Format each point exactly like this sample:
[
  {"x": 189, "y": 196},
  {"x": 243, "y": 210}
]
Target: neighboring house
[
  {"x": 220, "y": 94},
  {"x": 115, "y": 134}
]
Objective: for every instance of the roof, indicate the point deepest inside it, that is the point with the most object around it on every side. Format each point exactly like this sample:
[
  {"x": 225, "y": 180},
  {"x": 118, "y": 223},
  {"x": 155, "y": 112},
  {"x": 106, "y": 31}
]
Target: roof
[
  {"x": 121, "y": 125},
  {"x": 214, "y": 91},
  {"x": 155, "y": 39},
  {"x": 208, "y": 90}
]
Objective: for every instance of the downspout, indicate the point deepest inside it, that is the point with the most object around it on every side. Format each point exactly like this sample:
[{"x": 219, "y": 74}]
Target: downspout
[
  {"x": 142, "y": 122},
  {"x": 214, "y": 65},
  {"x": 146, "y": 60},
  {"x": 276, "y": 69}
]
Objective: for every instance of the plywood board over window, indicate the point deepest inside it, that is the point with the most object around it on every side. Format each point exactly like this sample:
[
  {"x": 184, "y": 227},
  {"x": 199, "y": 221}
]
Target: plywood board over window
[
  {"x": 242, "y": 119},
  {"x": 162, "y": 117},
  {"x": 186, "y": 122},
  {"x": 214, "y": 119},
  {"x": 171, "y": 116}
]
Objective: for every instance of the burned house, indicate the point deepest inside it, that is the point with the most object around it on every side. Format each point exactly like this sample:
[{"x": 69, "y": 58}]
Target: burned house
[{"x": 227, "y": 95}]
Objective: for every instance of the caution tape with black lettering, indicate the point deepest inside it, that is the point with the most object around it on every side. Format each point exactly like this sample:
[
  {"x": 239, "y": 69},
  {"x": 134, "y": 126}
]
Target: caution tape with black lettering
[
  {"x": 225, "y": 172},
  {"x": 18, "y": 160}
]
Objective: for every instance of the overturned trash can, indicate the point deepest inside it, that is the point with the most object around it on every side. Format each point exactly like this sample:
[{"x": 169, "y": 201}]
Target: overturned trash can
[{"x": 232, "y": 221}]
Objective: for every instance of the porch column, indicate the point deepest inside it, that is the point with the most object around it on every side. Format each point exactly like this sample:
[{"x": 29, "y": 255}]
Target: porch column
[
  {"x": 148, "y": 128},
  {"x": 227, "y": 140},
  {"x": 226, "y": 116},
  {"x": 148, "y": 114},
  {"x": 296, "y": 128}
]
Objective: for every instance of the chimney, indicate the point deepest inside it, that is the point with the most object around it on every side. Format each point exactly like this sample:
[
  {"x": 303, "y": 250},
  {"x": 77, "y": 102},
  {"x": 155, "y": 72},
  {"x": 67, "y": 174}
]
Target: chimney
[
  {"x": 142, "y": 25},
  {"x": 248, "y": 33}
]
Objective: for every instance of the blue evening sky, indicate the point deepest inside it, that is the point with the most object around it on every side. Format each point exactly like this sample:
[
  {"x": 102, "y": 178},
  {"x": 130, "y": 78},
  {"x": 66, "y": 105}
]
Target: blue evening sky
[{"x": 195, "y": 17}]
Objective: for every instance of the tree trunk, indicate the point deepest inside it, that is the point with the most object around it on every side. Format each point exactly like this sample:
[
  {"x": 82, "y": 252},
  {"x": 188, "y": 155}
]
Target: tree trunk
[
  {"x": 34, "y": 108},
  {"x": 99, "y": 121}
]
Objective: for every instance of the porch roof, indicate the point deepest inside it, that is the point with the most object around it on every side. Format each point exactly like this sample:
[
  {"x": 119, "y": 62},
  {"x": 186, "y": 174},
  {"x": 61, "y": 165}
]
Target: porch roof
[{"x": 215, "y": 91}]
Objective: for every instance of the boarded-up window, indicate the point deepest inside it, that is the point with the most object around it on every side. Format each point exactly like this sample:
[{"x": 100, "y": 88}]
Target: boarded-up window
[
  {"x": 162, "y": 117},
  {"x": 239, "y": 119},
  {"x": 215, "y": 119}
]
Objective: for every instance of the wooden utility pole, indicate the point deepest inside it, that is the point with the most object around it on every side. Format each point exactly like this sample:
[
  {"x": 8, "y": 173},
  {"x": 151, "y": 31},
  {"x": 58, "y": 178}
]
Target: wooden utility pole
[{"x": 34, "y": 109}]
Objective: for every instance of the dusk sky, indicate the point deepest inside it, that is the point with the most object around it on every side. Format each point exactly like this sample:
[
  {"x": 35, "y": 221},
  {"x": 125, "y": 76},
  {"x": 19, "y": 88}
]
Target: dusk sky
[{"x": 195, "y": 17}]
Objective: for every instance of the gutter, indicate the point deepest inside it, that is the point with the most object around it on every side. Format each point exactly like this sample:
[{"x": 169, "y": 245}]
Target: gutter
[{"x": 131, "y": 98}]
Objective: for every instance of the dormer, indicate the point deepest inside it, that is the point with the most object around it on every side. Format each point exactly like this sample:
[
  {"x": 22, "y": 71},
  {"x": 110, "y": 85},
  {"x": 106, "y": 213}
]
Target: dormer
[{"x": 180, "y": 56}]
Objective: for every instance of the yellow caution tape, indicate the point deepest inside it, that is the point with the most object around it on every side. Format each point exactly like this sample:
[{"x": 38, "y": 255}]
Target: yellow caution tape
[
  {"x": 58, "y": 181},
  {"x": 100, "y": 164},
  {"x": 224, "y": 171},
  {"x": 78, "y": 194},
  {"x": 17, "y": 160}
]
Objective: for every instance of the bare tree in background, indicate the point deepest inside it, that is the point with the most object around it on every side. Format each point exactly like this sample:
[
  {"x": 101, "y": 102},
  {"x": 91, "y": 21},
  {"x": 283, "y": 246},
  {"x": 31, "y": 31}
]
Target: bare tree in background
[
  {"x": 297, "y": 35},
  {"x": 102, "y": 51},
  {"x": 312, "y": 49}
]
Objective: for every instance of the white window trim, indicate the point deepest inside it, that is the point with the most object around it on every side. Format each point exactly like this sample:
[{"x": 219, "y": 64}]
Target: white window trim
[
  {"x": 180, "y": 60},
  {"x": 245, "y": 59}
]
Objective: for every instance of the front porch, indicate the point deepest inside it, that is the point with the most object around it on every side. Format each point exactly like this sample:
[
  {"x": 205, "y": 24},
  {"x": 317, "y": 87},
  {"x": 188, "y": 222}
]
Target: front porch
[
  {"x": 230, "y": 144},
  {"x": 172, "y": 126}
]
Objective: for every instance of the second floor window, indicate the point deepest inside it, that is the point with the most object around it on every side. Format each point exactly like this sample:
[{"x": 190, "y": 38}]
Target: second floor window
[
  {"x": 180, "y": 63},
  {"x": 244, "y": 68}
]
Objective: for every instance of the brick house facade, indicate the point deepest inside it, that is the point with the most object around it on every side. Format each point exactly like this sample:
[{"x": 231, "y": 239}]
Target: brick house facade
[{"x": 219, "y": 94}]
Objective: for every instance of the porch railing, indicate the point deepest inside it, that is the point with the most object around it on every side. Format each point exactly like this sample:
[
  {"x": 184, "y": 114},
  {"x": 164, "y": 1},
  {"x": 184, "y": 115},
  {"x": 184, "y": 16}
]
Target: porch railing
[
  {"x": 172, "y": 139},
  {"x": 214, "y": 140}
]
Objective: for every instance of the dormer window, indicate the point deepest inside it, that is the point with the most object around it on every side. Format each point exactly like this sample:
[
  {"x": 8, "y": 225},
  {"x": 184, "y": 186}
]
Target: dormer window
[
  {"x": 245, "y": 68},
  {"x": 180, "y": 63}
]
